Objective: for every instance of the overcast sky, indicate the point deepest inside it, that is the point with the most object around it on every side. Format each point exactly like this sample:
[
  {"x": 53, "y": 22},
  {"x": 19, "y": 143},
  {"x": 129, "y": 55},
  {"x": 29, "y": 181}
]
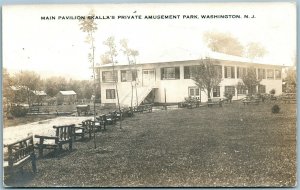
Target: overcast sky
[{"x": 57, "y": 47}]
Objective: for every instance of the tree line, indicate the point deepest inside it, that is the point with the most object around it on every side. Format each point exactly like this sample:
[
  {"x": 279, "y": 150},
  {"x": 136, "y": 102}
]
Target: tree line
[{"x": 29, "y": 81}]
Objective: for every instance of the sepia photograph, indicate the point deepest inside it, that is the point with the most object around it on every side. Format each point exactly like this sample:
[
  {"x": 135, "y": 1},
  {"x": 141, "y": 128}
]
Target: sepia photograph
[{"x": 149, "y": 95}]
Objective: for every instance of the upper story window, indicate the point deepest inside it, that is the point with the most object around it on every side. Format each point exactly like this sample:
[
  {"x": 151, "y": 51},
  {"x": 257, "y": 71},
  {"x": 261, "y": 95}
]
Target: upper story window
[
  {"x": 270, "y": 74},
  {"x": 229, "y": 72},
  {"x": 241, "y": 72},
  {"x": 128, "y": 75},
  {"x": 277, "y": 74},
  {"x": 168, "y": 73},
  {"x": 189, "y": 71},
  {"x": 261, "y": 73},
  {"x": 108, "y": 76}
]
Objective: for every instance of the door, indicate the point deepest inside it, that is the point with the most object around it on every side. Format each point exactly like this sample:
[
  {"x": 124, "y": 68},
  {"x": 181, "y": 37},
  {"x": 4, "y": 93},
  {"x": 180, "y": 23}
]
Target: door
[{"x": 148, "y": 77}]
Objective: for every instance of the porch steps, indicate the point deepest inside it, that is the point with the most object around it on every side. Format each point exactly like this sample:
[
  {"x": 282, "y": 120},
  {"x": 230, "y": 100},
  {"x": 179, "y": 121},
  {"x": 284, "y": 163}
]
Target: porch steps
[{"x": 142, "y": 93}]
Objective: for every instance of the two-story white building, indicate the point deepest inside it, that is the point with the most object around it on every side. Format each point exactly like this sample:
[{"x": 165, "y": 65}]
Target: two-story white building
[{"x": 170, "y": 81}]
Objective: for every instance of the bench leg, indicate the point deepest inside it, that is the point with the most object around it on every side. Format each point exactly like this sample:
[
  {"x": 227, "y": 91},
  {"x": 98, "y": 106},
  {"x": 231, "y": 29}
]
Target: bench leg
[
  {"x": 33, "y": 162},
  {"x": 70, "y": 145},
  {"x": 40, "y": 152}
]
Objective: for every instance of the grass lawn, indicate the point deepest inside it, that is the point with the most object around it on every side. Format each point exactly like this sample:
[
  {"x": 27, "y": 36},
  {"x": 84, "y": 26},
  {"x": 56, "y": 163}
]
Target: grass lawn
[{"x": 234, "y": 145}]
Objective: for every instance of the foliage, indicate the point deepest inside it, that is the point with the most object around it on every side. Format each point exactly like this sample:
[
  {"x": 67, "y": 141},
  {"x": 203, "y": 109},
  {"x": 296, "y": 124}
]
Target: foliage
[
  {"x": 19, "y": 111},
  {"x": 27, "y": 81},
  {"x": 255, "y": 50},
  {"x": 223, "y": 43},
  {"x": 250, "y": 80},
  {"x": 272, "y": 92},
  {"x": 290, "y": 80},
  {"x": 206, "y": 75},
  {"x": 275, "y": 109}
]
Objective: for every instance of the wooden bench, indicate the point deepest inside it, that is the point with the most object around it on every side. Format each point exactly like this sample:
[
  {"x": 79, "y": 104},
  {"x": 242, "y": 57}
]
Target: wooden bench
[
  {"x": 111, "y": 118},
  {"x": 247, "y": 102},
  {"x": 101, "y": 121},
  {"x": 215, "y": 101},
  {"x": 64, "y": 135},
  {"x": 18, "y": 154},
  {"x": 143, "y": 108},
  {"x": 289, "y": 98},
  {"x": 34, "y": 110}
]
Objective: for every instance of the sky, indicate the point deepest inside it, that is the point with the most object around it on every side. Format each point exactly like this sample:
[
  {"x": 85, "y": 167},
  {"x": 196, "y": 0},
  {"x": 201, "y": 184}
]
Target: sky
[{"x": 58, "y": 47}]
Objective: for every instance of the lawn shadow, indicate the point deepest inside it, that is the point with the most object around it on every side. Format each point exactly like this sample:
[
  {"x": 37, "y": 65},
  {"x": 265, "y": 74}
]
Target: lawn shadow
[
  {"x": 59, "y": 154},
  {"x": 19, "y": 179}
]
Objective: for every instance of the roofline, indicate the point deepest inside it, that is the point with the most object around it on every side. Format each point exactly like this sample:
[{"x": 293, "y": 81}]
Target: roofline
[{"x": 192, "y": 60}]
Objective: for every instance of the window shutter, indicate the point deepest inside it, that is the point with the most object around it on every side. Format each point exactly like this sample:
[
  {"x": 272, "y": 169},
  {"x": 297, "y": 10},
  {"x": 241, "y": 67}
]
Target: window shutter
[
  {"x": 238, "y": 72},
  {"x": 187, "y": 72},
  {"x": 225, "y": 68},
  {"x": 177, "y": 72}
]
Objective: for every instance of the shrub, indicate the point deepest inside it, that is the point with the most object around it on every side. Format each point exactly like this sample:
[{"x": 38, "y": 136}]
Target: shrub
[
  {"x": 272, "y": 91},
  {"x": 19, "y": 111},
  {"x": 275, "y": 109}
]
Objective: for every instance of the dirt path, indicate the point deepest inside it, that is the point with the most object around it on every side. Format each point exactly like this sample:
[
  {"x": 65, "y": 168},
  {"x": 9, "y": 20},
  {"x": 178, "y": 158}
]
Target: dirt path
[{"x": 45, "y": 127}]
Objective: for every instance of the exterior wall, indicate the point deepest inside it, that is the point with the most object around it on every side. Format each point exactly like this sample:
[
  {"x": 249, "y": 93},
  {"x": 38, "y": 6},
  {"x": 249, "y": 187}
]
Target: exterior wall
[{"x": 177, "y": 89}]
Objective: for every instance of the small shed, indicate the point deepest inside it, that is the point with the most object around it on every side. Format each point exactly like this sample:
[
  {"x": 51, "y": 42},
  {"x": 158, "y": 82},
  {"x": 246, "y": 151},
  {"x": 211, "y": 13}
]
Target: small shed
[
  {"x": 66, "y": 97},
  {"x": 39, "y": 97}
]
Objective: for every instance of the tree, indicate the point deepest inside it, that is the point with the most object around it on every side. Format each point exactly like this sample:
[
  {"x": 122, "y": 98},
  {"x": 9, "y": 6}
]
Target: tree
[
  {"x": 223, "y": 43},
  {"x": 112, "y": 52},
  {"x": 29, "y": 81},
  {"x": 53, "y": 85},
  {"x": 89, "y": 26},
  {"x": 131, "y": 57},
  {"x": 207, "y": 75},
  {"x": 291, "y": 80},
  {"x": 7, "y": 92},
  {"x": 250, "y": 80},
  {"x": 255, "y": 50}
]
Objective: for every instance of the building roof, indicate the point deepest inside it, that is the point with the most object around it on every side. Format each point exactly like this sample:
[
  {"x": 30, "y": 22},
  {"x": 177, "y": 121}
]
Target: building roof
[
  {"x": 39, "y": 93},
  {"x": 18, "y": 87},
  {"x": 180, "y": 54},
  {"x": 68, "y": 92}
]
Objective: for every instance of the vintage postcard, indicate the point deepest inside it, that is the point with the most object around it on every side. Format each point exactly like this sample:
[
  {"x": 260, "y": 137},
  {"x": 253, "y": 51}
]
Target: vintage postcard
[{"x": 149, "y": 95}]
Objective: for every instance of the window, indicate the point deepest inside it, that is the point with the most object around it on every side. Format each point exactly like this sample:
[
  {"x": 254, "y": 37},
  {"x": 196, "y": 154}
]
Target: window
[
  {"x": 230, "y": 90},
  {"x": 216, "y": 91},
  {"x": 128, "y": 75},
  {"x": 170, "y": 73},
  {"x": 241, "y": 90},
  {"x": 218, "y": 69},
  {"x": 194, "y": 91},
  {"x": 261, "y": 73},
  {"x": 277, "y": 74},
  {"x": 229, "y": 72},
  {"x": 107, "y": 76},
  {"x": 261, "y": 89},
  {"x": 270, "y": 74},
  {"x": 110, "y": 94},
  {"x": 188, "y": 71},
  {"x": 241, "y": 72}
]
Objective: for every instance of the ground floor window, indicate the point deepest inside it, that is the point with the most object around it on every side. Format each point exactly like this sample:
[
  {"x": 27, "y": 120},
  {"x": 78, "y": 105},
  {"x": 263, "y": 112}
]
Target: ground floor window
[
  {"x": 194, "y": 92},
  {"x": 216, "y": 91},
  {"x": 110, "y": 94},
  {"x": 261, "y": 89},
  {"x": 241, "y": 90},
  {"x": 230, "y": 90}
]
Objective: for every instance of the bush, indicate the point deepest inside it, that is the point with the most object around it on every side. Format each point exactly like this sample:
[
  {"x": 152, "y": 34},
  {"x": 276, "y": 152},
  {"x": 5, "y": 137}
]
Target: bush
[
  {"x": 275, "y": 109},
  {"x": 272, "y": 91},
  {"x": 19, "y": 111}
]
